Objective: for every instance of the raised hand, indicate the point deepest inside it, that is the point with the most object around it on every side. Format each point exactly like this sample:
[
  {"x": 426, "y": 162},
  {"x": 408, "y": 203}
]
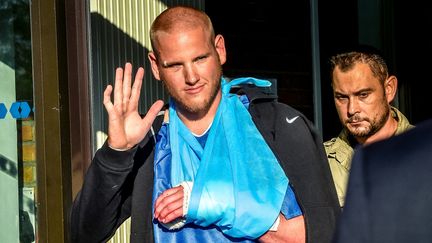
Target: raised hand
[{"x": 126, "y": 128}]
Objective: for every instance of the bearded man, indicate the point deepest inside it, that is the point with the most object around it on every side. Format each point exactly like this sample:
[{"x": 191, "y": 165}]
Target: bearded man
[{"x": 363, "y": 91}]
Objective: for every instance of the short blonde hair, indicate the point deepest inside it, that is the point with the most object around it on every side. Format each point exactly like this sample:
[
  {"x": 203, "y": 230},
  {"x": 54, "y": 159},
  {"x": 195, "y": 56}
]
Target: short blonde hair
[{"x": 180, "y": 18}]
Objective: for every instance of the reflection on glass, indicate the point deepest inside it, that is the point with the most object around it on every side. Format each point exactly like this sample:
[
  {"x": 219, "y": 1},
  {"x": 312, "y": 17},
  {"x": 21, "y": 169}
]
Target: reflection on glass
[{"x": 17, "y": 137}]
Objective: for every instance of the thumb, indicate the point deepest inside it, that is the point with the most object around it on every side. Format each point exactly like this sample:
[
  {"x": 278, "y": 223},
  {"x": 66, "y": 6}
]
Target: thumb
[{"x": 152, "y": 113}]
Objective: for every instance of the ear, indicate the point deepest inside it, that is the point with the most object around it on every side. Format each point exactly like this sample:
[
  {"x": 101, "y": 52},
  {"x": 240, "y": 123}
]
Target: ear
[
  {"x": 154, "y": 65},
  {"x": 390, "y": 87},
  {"x": 220, "y": 48}
]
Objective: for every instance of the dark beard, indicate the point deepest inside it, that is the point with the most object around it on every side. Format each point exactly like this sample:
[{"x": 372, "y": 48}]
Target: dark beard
[{"x": 375, "y": 127}]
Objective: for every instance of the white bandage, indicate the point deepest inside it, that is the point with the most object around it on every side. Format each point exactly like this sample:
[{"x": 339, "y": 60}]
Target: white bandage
[
  {"x": 187, "y": 191},
  {"x": 275, "y": 225}
]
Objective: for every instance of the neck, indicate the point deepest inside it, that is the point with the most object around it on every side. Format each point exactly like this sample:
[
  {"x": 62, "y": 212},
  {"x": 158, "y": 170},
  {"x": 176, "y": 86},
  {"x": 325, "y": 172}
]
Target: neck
[
  {"x": 198, "y": 122},
  {"x": 385, "y": 132}
]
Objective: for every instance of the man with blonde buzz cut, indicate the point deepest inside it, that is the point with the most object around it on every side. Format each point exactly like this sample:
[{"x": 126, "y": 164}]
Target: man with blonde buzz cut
[{"x": 218, "y": 164}]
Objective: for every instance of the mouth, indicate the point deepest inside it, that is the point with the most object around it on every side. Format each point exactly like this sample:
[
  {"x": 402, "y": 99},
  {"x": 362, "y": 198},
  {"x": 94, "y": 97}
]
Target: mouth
[
  {"x": 354, "y": 122},
  {"x": 195, "y": 89}
]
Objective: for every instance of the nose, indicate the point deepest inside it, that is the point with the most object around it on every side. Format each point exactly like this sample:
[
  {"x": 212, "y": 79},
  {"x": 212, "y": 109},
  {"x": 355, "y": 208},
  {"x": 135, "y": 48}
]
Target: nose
[
  {"x": 191, "y": 75},
  {"x": 353, "y": 106}
]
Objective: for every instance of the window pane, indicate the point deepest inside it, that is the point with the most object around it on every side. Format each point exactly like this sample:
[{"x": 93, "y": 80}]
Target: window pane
[{"x": 17, "y": 138}]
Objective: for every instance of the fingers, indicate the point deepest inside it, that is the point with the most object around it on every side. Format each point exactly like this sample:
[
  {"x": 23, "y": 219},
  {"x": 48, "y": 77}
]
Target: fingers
[
  {"x": 118, "y": 87},
  {"x": 107, "y": 98},
  {"x": 169, "y": 205},
  {"x": 136, "y": 90},
  {"x": 125, "y": 97},
  {"x": 127, "y": 78},
  {"x": 177, "y": 213}
]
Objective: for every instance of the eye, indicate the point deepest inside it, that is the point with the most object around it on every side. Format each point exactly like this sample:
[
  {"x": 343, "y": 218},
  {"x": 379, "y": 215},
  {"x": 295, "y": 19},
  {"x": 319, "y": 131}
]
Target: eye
[
  {"x": 174, "y": 66},
  {"x": 201, "y": 59},
  {"x": 340, "y": 97},
  {"x": 363, "y": 95}
]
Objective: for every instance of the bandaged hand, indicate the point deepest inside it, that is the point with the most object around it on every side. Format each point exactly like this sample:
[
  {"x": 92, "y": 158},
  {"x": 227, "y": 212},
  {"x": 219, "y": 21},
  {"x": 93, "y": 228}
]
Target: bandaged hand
[{"x": 172, "y": 205}]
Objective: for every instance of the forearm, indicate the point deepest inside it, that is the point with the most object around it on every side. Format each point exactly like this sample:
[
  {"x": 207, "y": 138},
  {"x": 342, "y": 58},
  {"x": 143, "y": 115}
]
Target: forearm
[
  {"x": 97, "y": 210},
  {"x": 289, "y": 231}
]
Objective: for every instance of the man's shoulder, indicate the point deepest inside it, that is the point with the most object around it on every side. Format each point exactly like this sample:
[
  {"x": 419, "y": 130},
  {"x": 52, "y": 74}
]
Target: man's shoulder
[
  {"x": 281, "y": 115},
  {"x": 403, "y": 123},
  {"x": 335, "y": 143},
  {"x": 255, "y": 93},
  {"x": 339, "y": 142},
  {"x": 339, "y": 149},
  {"x": 329, "y": 143},
  {"x": 331, "y": 146},
  {"x": 263, "y": 95}
]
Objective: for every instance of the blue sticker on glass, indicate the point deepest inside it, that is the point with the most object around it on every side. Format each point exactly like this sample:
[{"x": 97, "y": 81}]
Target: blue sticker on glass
[
  {"x": 3, "y": 111},
  {"x": 20, "y": 110}
]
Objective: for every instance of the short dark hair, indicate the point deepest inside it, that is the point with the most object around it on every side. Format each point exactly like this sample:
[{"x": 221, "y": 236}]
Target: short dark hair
[{"x": 345, "y": 61}]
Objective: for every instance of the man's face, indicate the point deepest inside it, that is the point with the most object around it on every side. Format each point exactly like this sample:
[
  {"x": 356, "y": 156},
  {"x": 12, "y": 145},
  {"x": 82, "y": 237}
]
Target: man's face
[
  {"x": 360, "y": 100},
  {"x": 191, "y": 67}
]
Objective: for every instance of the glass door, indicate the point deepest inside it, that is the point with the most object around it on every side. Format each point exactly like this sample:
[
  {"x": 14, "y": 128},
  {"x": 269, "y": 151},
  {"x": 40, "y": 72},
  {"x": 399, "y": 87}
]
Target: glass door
[{"x": 17, "y": 138}]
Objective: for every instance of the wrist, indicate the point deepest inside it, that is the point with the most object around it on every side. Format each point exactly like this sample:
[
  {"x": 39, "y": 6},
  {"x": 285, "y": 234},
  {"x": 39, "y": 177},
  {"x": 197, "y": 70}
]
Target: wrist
[
  {"x": 187, "y": 191},
  {"x": 117, "y": 149},
  {"x": 275, "y": 224}
]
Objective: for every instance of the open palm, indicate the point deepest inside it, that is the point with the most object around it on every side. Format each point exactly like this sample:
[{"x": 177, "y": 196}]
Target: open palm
[{"x": 126, "y": 128}]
